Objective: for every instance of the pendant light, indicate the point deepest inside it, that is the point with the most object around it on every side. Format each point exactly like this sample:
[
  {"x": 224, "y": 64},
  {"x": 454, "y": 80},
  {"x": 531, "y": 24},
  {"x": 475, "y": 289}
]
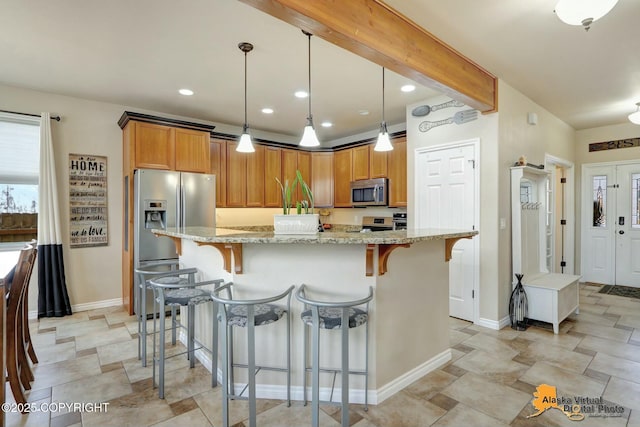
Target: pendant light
[
  {"x": 583, "y": 12},
  {"x": 635, "y": 116},
  {"x": 383, "y": 143},
  {"x": 245, "y": 145},
  {"x": 309, "y": 138}
]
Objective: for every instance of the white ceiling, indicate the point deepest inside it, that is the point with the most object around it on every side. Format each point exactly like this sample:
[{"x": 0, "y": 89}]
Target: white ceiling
[{"x": 139, "y": 53}]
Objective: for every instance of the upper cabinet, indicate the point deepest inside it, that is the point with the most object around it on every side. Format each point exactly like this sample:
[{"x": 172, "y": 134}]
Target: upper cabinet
[
  {"x": 157, "y": 143},
  {"x": 272, "y": 170},
  {"x": 361, "y": 162},
  {"x": 154, "y": 145},
  {"x": 218, "y": 154},
  {"x": 192, "y": 151},
  {"x": 343, "y": 175},
  {"x": 377, "y": 163},
  {"x": 322, "y": 179},
  {"x": 397, "y": 166}
]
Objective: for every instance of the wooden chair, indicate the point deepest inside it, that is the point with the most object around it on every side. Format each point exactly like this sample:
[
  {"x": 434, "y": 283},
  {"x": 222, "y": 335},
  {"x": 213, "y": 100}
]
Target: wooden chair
[{"x": 19, "y": 372}]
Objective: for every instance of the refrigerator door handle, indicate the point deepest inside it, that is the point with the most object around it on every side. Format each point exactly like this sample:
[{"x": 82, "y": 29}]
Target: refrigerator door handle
[
  {"x": 178, "y": 206},
  {"x": 183, "y": 205}
]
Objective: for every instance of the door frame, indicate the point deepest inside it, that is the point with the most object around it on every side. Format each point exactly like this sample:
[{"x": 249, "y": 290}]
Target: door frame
[
  {"x": 475, "y": 143},
  {"x": 586, "y": 210},
  {"x": 570, "y": 209}
]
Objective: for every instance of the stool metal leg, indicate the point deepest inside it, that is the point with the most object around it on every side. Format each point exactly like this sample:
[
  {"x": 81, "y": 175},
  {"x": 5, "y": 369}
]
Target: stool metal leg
[
  {"x": 191, "y": 322},
  {"x": 225, "y": 370},
  {"x": 232, "y": 387},
  {"x": 315, "y": 369},
  {"x": 305, "y": 356},
  {"x": 174, "y": 324},
  {"x": 214, "y": 346},
  {"x": 345, "y": 367},
  {"x": 366, "y": 365},
  {"x": 289, "y": 356},
  {"x": 251, "y": 346},
  {"x": 162, "y": 349}
]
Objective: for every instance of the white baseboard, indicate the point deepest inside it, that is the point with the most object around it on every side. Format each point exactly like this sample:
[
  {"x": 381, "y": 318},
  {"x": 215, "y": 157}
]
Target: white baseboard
[
  {"x": 494, "y": 324},
  {"x": 33, "y": 314},
  {"x": 391, "y": 388},
  {"x": 375, "y": 397}
]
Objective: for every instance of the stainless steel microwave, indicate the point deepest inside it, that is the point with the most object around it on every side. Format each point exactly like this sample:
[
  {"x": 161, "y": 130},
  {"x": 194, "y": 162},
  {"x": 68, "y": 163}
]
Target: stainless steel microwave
[{"x": 370, "y": 192}]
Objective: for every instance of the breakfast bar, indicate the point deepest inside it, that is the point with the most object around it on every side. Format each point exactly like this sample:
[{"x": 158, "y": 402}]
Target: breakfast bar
[{"x": 407, "y": 269}]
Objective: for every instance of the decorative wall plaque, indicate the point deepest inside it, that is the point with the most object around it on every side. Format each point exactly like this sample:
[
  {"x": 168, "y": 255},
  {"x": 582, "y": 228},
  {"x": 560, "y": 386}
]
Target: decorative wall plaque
[
  {"x": 88, "y": 201},
  {"x": 612, "y": 145}
]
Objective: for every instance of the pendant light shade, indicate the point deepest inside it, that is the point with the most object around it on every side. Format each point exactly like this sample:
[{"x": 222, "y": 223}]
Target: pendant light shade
[
  {"x": 383, "y": 143},
  {"x": 245, "y": 145},
  {"x": 583, "y": 12},
  {"x": 309, "y": 138},
  {"x": 635, "y": 117}
]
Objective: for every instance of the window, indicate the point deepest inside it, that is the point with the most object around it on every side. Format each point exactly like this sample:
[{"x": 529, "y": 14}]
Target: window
[
  {"x": 19, "y": 164},
  {"x": 599, "y": 201}
]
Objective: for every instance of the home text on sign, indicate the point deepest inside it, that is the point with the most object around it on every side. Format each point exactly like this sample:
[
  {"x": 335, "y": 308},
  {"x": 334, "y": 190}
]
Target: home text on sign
[{"x": 613, "y": 145}]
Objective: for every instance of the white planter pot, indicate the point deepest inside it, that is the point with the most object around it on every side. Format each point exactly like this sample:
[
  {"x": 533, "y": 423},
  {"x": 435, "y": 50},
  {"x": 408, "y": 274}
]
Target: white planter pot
[{"x": 296, "y": 224}]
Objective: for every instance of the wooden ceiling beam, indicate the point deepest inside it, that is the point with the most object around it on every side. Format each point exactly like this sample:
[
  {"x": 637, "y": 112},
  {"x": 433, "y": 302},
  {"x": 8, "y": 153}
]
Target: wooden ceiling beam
[{"x": 375, "y": 31}]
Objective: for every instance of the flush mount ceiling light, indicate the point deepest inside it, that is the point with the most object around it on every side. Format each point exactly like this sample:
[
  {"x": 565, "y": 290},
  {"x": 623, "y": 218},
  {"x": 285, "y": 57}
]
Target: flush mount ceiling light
[
  {"x": 583, "y": 12},
  {"x": 383, "y": 143},
  {"x": 245, "y": 145},
  {"x": 185, "y": 92},
  {"x": 309, "y": 138},
  {"x": 267, "y": 110},
  {"x": 635, "y": 117}
]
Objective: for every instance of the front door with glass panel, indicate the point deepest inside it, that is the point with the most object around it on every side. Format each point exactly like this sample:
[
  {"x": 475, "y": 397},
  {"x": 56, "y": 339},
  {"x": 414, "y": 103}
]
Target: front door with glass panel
[{"x": 611, "y": 224}]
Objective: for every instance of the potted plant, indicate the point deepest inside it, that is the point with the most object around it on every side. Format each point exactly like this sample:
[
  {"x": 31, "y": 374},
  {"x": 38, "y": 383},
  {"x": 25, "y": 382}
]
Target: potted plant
[{"x": 304, "y": 222}]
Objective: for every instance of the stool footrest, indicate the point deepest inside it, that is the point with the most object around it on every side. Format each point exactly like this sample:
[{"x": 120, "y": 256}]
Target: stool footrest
[
  {"x": 334, "y": 371},
  {"x": 259, "y": 368}
]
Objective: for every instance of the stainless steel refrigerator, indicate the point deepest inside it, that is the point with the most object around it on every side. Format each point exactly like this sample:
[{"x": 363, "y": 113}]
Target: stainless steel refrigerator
[{"x": 167, "y": 199}]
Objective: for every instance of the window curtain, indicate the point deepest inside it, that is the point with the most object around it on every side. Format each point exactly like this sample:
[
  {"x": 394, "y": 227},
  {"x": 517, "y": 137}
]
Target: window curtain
[{"x": 53, "y": 299}]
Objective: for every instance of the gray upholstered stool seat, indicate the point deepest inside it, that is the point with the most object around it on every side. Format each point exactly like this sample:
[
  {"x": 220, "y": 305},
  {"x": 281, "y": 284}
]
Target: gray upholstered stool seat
[
  {"x": 331, "y": 318},
  {"x": 263, "y": 314},
  {"x": 186, "y": 296}
]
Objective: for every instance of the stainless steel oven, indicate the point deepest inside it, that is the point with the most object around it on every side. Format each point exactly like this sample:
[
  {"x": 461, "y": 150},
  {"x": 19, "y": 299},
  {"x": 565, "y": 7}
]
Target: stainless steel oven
[{"x": 369, "y": 192}]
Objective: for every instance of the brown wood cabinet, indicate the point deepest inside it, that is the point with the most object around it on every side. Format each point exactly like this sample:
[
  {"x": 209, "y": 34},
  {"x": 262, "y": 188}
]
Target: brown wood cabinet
[
  {"x": 218, "y": 154},
  {"x": 192, "y": 151},
  {"x": 164, "y": 147},
  {"x": 397, "y": 164},
  {"x": 272, "y": 170},
  {"x": 343, "y": 175},
  {"x": 377, "y": 163},
  {"x": 322, "y": 179},
  {"x": 236, "y": 176},
  {"x": 153, "y": 144},
  {"x": 361, "y": 162},
  {"x": 255, "y": 177}
]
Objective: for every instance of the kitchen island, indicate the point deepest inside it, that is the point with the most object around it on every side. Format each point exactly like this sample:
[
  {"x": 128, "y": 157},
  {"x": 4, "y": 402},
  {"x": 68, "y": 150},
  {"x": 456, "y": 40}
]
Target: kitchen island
[{"x": 409, "y": 334}]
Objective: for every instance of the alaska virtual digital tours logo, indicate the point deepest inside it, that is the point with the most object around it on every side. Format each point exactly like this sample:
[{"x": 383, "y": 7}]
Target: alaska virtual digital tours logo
[{"x": 575, "y": 408}]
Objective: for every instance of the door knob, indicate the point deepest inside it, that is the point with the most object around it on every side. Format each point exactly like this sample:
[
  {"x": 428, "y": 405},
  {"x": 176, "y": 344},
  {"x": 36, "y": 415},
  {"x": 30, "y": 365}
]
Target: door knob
[{"x": 621, "y": 232}]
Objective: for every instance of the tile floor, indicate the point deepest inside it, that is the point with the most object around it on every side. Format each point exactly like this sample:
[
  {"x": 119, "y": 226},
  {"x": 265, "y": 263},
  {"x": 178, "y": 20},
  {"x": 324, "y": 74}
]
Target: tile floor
[{"x": 91, "y": 357}]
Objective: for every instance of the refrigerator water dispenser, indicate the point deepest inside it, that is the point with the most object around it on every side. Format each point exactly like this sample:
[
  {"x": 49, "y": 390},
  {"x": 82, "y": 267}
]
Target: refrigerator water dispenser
[{"x": 155, "y": 214}]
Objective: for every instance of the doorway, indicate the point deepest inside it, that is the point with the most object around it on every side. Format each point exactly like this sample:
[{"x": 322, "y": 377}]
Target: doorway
[
  {"x": 447, "y": 197},
  {"x": 611, "y": 224}
]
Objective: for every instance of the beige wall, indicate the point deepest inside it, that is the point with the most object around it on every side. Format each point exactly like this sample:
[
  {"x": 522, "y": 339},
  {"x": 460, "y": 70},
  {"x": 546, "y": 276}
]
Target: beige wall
[
  {"x": 87, "y": 127},
  {"x": 486, "y": 129},
  {"x": 583, "y": 156},
  {"x": 517, "y": 137}
]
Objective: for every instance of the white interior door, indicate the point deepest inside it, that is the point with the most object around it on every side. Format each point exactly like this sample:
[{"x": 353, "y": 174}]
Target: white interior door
[
  {"x": 445, "y": 198},
  {"x": 611, "y": 224},
  {"x": 627, "y": 225}
]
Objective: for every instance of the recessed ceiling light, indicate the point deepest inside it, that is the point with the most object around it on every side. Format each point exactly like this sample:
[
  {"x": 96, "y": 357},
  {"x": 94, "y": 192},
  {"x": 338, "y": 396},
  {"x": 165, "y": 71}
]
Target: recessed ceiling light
[
  {"x": 363, "y": 112},
  {"x": 186, "y": 92},
  {"x": 326, "y": 124},
  {"x": 301, "y": 94},
  {"x": 408, "y": 88},
  {"x": 267, "y": 110}
]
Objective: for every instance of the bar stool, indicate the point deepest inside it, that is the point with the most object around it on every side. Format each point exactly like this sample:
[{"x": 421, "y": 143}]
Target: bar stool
[
  {"x": 172, "y": 274},
  {"x": 249, "y": 314},
  {"x": 169, "y": 291},
  {"x": 332, "y": 315}
]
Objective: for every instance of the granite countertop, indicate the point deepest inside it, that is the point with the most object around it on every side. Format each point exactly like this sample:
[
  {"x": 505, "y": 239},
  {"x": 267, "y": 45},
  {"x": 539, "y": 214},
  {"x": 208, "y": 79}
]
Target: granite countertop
[{"x": 225, "y": 235}]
